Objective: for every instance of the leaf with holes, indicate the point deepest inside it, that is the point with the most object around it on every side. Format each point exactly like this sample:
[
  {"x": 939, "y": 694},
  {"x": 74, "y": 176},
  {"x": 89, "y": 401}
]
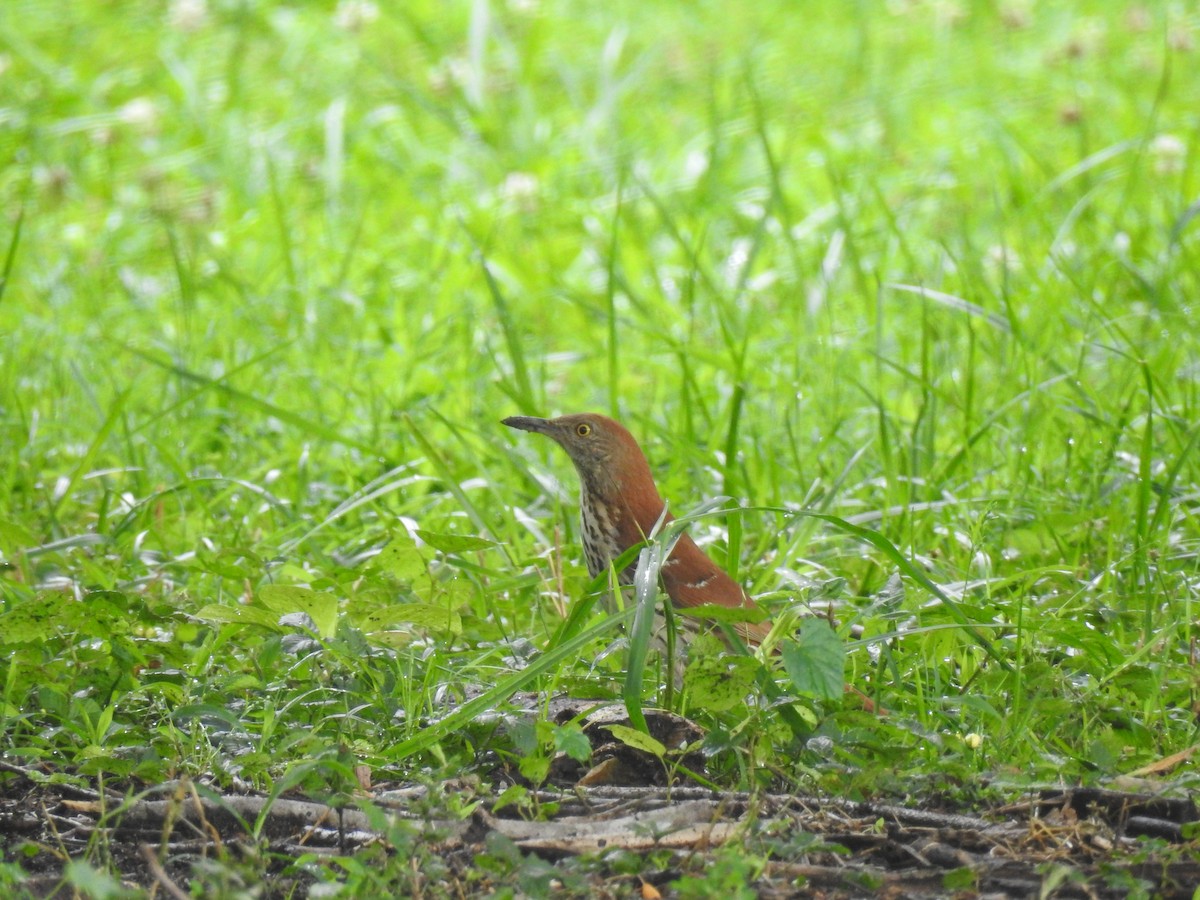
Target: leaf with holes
[
  {"x": 422, "y": 615},
  {"x": 718, "y": 683},
  {"x": 402, "y": 560},
  {"x": 32, "y": 620}
]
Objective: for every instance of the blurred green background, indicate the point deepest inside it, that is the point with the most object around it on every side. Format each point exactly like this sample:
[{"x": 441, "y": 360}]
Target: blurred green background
[{"x": 927, "y": 265}]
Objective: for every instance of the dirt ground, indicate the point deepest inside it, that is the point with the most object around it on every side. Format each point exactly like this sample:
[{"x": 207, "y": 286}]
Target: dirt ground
[{"x": 1084, "y": 842}]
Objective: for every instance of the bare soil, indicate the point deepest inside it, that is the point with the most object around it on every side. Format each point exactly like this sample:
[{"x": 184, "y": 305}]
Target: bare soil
[{"x": 1085, "y": 842}]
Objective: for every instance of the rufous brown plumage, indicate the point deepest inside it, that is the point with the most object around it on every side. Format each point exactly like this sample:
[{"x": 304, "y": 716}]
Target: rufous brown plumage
[{"x": 620, "y": 506}]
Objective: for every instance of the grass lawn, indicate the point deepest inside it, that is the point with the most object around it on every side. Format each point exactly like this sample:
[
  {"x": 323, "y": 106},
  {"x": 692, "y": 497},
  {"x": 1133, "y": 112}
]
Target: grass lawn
[{"x": 909, "y": 288}]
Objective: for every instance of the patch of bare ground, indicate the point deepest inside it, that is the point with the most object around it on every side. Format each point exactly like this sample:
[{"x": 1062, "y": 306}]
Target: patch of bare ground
[{"x": 1082, "y": 842}]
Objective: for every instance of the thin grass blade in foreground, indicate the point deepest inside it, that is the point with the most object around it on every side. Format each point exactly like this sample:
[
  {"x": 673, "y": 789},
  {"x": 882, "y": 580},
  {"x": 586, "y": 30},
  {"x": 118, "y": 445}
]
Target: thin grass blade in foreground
[
  {"x": 10, "y": 258},
  {"x": 905, "y": 565},
  {"x": 645, "y": 580},
  {"x": 284, "y": 415},
  {"x": 114, "y": 415},
  {"x": 523, "y": 394},
  {"x": 877, "y": 540},
  {"x": 544, "y": 664}
]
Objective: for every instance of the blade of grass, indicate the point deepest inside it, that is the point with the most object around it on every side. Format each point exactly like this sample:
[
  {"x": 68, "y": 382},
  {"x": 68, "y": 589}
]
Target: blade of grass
[
  {"x": 544, "y": 664},
  {"x": 605, "y": 581},
  {"x": 614, "y": 367},
  {"x": 902, "y": 562},
  {"x": 10, "y": 257},
  {"x": 200, "y": 391},
  {"x": 949, "y": 301},
  {"x": 645, "y": 582},
  {"x": 881, "y": 543},
  {"x": 1141, "y": 560},
  {"x": 85, "y": 463},
  {"x": 512, "y": 338},
  {"x": 270, "y": 409},
  {"x": 282, "y": 222},
  {"x": 437, "y": 459},
  {"x": 151, "y": 500}
]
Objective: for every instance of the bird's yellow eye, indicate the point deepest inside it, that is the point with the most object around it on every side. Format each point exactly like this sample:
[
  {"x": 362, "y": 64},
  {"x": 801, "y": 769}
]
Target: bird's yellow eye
[{"x": 583, "y": 429}]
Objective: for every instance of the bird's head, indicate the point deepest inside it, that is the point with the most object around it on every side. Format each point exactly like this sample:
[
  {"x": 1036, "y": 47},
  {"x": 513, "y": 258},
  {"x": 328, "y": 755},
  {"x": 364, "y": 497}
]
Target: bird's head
[{"x": 604, "y": 452}]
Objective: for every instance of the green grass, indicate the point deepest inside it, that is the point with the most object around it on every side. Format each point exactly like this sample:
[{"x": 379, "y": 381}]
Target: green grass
[{"x": 273, "y": 274}]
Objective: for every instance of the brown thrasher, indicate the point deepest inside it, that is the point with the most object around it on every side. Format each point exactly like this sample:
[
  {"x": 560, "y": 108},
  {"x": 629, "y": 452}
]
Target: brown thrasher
[{"x": 620, "y": 506}]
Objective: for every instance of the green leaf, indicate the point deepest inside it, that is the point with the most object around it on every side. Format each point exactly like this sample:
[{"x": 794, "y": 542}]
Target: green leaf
[
  {"x": 402, "y": 560},
  {"x": 513, "y": 794},
  {"x": 455, "y": 591},
  {"x": 101, "y": 613},
  {"x": 92, "y": 882},
  {"x": 427, "y": 738},
  {"x": 239, "y": 615},
  {"x": 104, "y": 721},
  {"x": 33, "y": 620},
  {"x": 103, "y": 762},
  {"x": 906, "y": 567},
  {"x": 717, "y": 683},
  {"x": 14, "y": 536},
  {"x": 423, "y": 615},
  {"x": 961, "y": 879},
  {"x": 535, "y": 768},
  {"x": 638, "y": 740},
  {"x": 816, "y": 660},
  {"x": 454, "y": 543},
  {"x": 284, "y": 599},
  {"x": 571, "y": 740}
]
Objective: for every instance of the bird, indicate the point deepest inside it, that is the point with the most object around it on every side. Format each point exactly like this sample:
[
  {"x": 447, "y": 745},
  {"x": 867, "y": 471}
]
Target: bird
[{"x": 620, "y": 506}]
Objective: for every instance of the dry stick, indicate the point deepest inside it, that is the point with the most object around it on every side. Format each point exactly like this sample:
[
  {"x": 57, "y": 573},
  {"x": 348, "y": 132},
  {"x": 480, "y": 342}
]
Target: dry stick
[
  {"x": 160, "y": 874},
  {"x": 198, "y": 806}
]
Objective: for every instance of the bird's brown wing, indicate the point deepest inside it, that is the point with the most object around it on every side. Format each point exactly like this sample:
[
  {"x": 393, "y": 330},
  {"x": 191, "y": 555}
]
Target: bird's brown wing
[{"x": 692, "y": 579}]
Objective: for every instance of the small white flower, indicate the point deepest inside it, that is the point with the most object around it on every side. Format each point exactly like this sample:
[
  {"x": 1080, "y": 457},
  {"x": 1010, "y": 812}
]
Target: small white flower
[
  {"x": 187, "y": 15},
  {"x": 739, "y": 256},
  {"x": 519, "y": 186},
  {"x": 973, "y": 740},
  {"x": 949, "y": 13},
  {"x": 695, "y": 165},
  {"x": 1168, "y": 153},
  {"x": 140, "y": 111},
  {"x": 1180, "y": 38},
  {"x": 981, "y": 564},
  {"x": 998, "y": 256},
  {"x": 74, "y": 234},
  {"x": 449, "y": 72},
  {"x": 354, "y": 15},
  {"x": 520, "y": 191}
]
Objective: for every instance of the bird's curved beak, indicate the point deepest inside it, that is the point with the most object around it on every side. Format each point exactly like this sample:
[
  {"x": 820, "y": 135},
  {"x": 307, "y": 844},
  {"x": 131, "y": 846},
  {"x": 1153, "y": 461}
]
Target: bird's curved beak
[{"x": 529, "y": 423}]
